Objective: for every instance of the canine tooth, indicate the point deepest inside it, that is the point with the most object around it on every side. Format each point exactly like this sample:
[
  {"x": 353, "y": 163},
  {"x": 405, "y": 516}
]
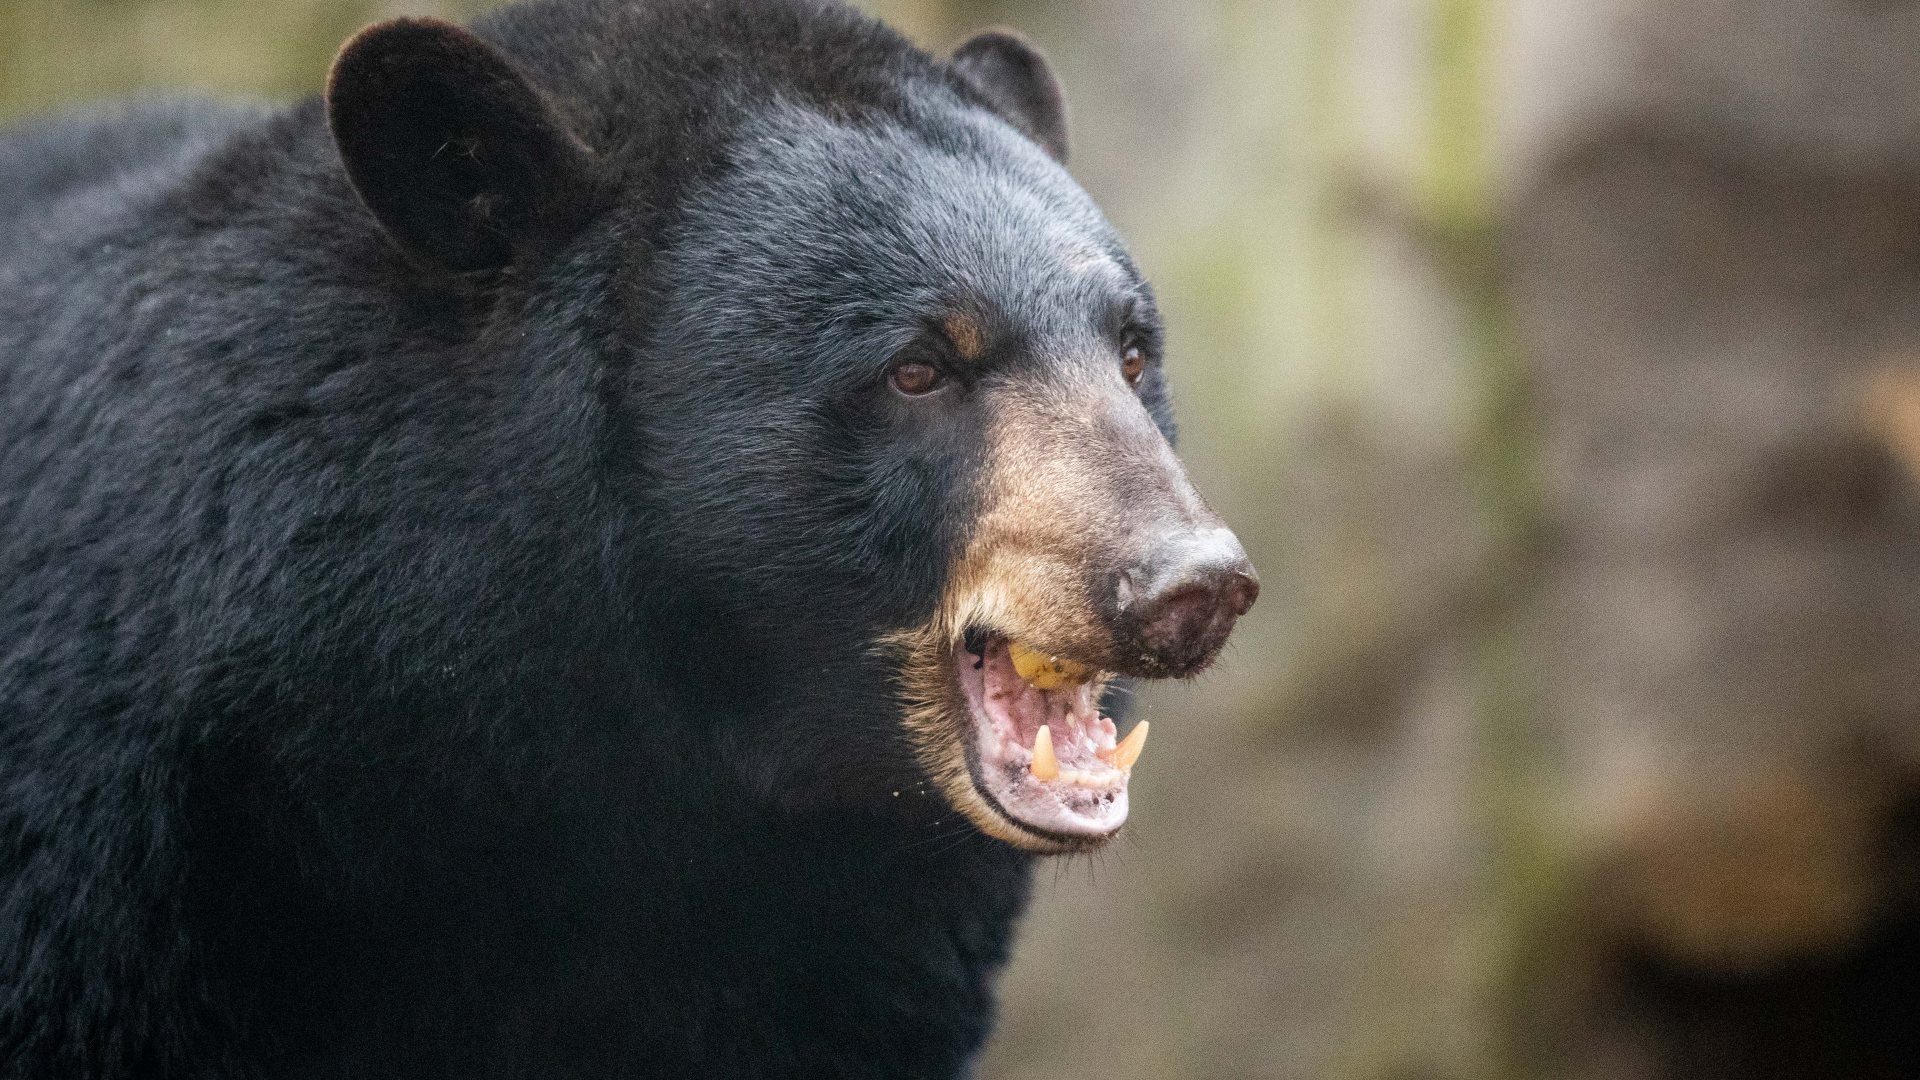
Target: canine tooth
[
  {"x": 1044, "y": 671},
  {"x": 1045, "y": 765},
  {"x": 1129, "y": 749}
]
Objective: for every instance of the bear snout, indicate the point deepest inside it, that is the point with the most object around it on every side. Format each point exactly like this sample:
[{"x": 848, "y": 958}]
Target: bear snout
[{"x": 1178, "y": 604}]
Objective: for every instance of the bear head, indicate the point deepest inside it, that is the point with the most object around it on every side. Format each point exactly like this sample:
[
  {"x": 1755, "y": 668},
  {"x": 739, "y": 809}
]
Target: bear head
[{"x": 878, "y": 386}]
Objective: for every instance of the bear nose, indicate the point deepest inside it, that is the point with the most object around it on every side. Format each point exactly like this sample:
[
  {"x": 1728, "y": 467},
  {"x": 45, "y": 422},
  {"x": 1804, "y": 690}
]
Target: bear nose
[{"x": 1181, "y": 602}]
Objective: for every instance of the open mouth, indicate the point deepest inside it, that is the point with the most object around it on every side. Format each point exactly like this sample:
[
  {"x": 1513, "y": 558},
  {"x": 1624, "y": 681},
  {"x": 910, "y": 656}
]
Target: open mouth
[{"x": 1040, "y": 752}]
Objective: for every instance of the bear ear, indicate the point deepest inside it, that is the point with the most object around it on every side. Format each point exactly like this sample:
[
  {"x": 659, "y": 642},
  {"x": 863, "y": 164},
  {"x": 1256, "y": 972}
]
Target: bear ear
[
  {"x": 459, "y": 157},
  {"x": 1016, "y": 80}
]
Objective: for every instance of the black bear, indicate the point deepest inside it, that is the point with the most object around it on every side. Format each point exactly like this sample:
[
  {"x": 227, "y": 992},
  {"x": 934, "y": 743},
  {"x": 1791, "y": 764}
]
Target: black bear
[{"x": 593, "y": 548}]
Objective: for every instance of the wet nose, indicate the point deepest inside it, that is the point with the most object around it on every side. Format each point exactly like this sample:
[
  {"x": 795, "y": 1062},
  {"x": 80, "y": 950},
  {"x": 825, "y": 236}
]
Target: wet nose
[{"x": 1181, "y": 602}]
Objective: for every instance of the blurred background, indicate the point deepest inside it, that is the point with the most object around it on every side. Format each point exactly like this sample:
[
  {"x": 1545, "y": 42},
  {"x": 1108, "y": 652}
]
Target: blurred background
[{"x": 1559, "y": 363}]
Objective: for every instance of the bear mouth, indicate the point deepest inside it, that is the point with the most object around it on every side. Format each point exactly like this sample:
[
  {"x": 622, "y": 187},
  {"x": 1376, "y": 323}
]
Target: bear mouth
[{"x": 1040, "y": 754}]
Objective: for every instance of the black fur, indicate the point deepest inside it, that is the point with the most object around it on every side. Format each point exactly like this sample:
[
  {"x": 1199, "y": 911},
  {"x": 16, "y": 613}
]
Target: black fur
[{"x": 445, "y": 649}]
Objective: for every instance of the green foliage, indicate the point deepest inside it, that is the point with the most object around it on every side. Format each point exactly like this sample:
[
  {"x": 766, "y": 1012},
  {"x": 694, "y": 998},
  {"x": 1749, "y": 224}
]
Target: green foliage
[{"x": 57, "y": 54}]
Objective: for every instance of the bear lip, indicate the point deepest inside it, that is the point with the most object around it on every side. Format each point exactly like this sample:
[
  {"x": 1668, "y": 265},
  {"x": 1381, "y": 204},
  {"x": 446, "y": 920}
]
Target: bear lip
[{"x": 1087, "y": 801}]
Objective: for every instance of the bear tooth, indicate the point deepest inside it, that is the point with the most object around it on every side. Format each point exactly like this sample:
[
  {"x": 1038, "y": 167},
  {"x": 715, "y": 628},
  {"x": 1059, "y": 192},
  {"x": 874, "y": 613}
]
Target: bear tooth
[
  {"x": 1129, "y": 749},
  {"x": 1045, "y": 765},
  {"x": 1044, "y": 671}
]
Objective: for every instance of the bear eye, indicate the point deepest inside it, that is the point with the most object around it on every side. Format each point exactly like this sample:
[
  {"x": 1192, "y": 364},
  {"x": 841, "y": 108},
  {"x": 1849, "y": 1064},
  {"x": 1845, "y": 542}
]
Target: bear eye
[
  {"x": 914, "y": 380},
  {"x": 1133, "y": 364}
]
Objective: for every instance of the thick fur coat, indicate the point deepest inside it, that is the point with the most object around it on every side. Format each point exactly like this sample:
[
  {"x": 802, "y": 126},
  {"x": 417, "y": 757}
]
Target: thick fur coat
[{"x": 439, "y": 595}]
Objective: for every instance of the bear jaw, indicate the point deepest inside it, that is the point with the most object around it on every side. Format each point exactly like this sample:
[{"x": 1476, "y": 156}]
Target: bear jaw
[
  {"x": 974, "y": 723},
  {"x": 1041, "y": 754}
]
